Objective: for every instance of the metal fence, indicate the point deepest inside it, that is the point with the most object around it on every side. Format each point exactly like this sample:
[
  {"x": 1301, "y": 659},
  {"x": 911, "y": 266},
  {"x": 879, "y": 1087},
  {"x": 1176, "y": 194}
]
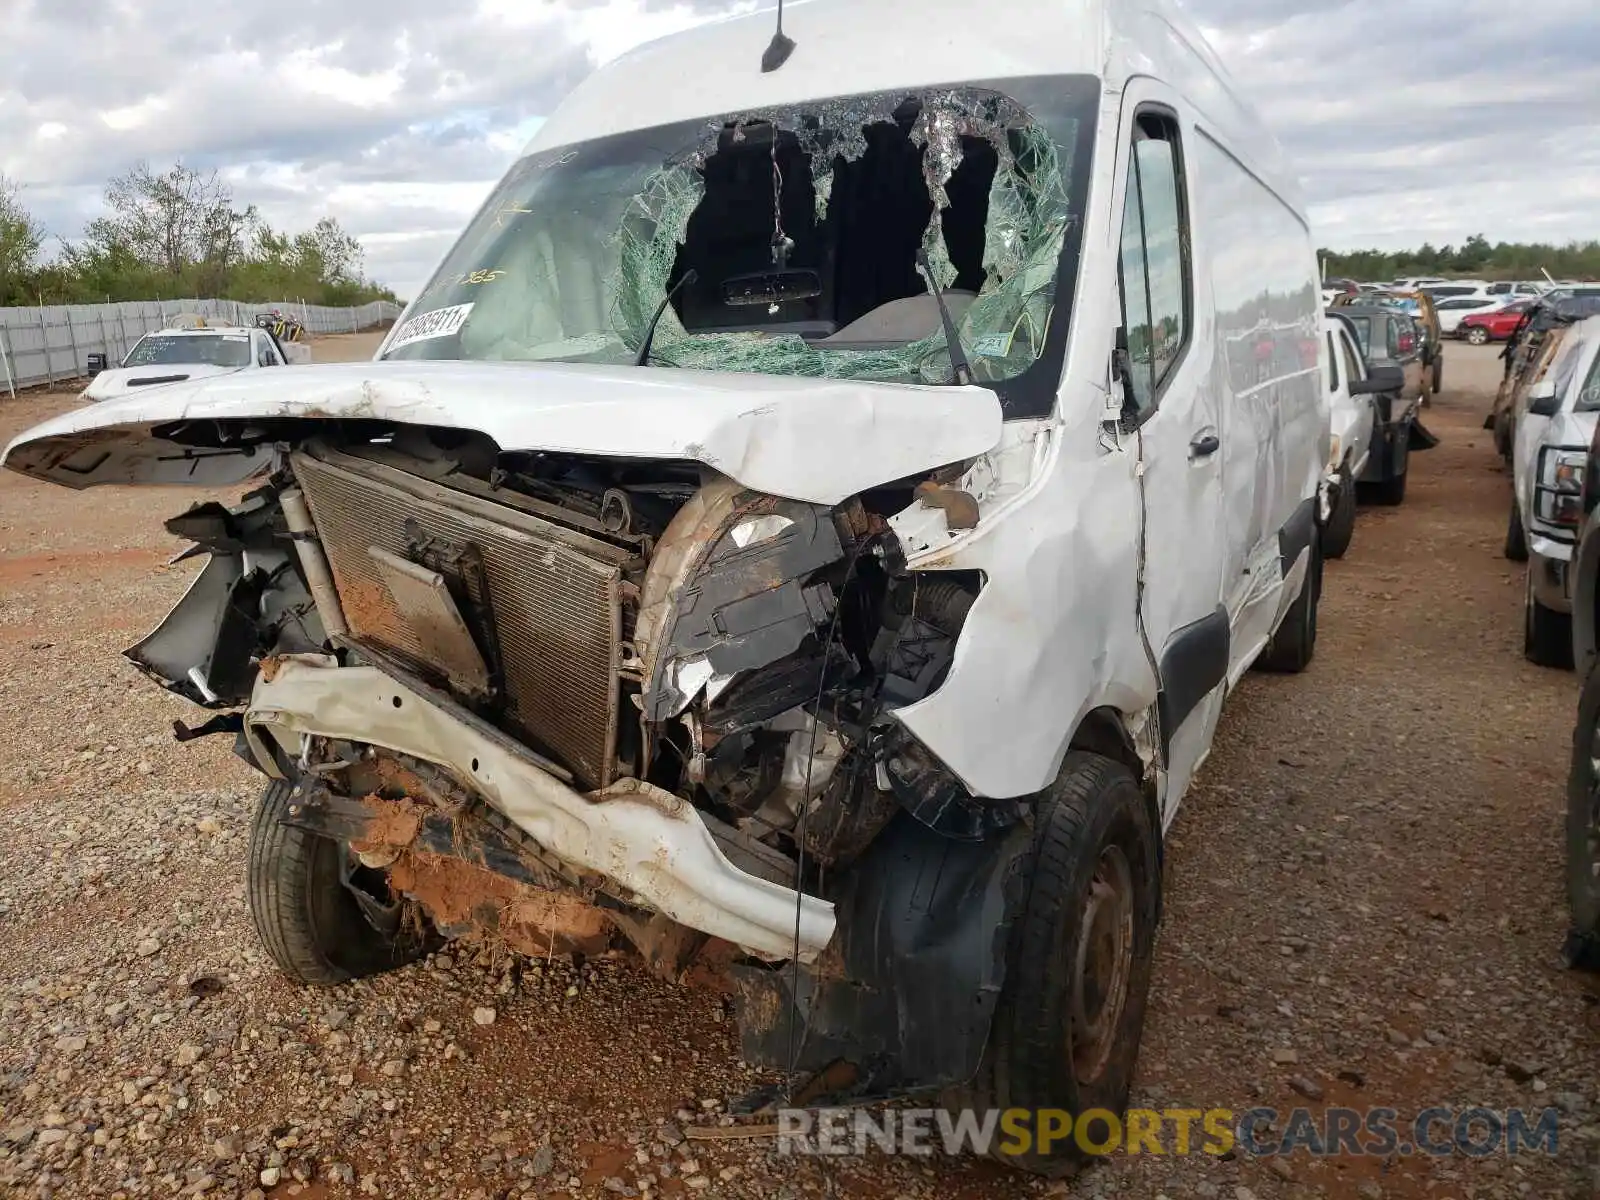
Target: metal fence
[{"x": 43, "y": 345}]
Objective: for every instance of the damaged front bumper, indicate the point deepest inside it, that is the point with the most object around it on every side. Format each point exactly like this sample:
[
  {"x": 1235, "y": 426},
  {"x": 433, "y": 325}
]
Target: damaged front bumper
[{"x": 652, "y": 845}]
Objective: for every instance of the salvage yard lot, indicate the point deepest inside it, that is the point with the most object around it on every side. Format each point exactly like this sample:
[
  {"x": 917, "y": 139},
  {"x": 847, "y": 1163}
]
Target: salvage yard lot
[{"x": 1363, "y": 908}]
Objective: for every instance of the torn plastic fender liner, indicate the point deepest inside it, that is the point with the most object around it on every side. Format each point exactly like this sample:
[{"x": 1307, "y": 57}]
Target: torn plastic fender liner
[
  {"x": 909, "y": 992},
  {"x": 246, "y": 601},
  {"x": 653, "y": 844}
]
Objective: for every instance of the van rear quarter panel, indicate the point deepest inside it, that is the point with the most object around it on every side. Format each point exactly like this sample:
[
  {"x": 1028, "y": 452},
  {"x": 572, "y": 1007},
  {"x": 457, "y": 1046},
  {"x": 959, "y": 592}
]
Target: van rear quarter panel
[{"x": 1268, "y": 365}]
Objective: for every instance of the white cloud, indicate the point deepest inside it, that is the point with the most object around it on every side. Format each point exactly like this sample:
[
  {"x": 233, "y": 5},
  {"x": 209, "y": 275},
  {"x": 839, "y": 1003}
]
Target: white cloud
[{"x": 1428, "y": 119}]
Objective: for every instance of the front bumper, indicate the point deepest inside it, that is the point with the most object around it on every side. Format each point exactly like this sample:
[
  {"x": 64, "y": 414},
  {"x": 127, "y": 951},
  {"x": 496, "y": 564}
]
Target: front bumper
[
  {"x": 652, "y": 844},
  {"x": 1548, "y": 563}
]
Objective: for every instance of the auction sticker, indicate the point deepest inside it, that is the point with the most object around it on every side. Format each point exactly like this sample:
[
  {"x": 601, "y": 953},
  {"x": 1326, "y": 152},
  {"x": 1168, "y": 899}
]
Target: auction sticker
[{"x": 440, "y": 322}]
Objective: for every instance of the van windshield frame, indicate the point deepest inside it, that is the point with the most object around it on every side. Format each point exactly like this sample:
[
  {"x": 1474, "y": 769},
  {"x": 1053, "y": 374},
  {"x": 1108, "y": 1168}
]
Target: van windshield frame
[{"x": 630, "y": 170}]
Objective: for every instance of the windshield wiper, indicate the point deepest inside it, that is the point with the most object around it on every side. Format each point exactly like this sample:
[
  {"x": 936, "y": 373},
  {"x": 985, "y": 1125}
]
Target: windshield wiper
[
  {"x": 952, "y": 341},
  {"x": 643, "y": 356}
]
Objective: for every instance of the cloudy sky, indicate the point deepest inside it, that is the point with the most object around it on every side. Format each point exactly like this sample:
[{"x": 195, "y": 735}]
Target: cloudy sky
[{"x": 1408, "y": 119}]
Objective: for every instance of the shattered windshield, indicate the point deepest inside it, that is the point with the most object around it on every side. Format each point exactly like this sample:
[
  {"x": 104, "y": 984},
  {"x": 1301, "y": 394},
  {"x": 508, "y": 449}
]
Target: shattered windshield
[
  {"x": 790, "y": 240},
  {"x": 217, "y": 350}
]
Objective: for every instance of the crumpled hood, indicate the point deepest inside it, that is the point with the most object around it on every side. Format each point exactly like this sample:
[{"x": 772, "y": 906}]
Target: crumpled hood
[
  {"x": 816, "y": 440},
  {"x": 127, "y": 381}
]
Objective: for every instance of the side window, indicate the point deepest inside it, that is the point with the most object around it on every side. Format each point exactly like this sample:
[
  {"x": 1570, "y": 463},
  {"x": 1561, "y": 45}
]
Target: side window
[
  {"x": 1352, "y": 361},
  {"x": 1333, "y": 365},
  {"x": 265, "y": 355},
  {"x": 1156, "y": 308}
]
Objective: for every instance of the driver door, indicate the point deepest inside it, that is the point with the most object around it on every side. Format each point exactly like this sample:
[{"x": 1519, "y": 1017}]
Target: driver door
[{"x": 1168, "y": 337}]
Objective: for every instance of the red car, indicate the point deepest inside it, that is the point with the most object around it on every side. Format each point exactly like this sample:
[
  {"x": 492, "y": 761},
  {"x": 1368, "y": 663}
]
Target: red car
[{"x": 1496, "y": 326}]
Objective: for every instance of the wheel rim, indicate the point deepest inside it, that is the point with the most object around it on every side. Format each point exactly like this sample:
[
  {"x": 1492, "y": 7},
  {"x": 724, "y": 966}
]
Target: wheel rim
[{"x": 1104, "y": 966}]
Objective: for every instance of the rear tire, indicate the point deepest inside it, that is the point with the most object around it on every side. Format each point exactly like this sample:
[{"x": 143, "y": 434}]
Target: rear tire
[
  {"x": 308, "y": 919},
  {"x": 1295, "y": 643},
  {"x": 1546, "y": 634},
  {"x": 1341, "y": 526},
  {"x": 1516, "y": 536},
  {"x": 1477, "y": 336},
  {"x": 1066, "y": 1032},
  {"x": 1438, "y": 373},
  {"x": 1386, "y": 492}
]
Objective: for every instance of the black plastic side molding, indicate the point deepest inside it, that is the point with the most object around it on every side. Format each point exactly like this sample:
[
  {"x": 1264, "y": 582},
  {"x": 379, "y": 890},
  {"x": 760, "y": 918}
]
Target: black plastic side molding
[{"x": 1194, "y": 662}]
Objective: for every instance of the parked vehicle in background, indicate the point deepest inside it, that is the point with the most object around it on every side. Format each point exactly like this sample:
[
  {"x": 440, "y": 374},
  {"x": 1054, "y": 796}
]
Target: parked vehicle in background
[
  {"x": 1493, "y": 324},
  {"x": 1412, "y": 283},
  {"x": 1352, "y": 422},
  {"x": 1456, "y": 289},
  {"x": 187, "y": 349},
  {"x": 619, "y": 599},
  {"x": 1430, "y": 336},
  {"x": 1389, "y": 346},
  {"x": 1452, "y": 311},
  {"x": 1338, "y": 287},
  {"x": 1526, "y": 290},
  {"x": 1548, "y": 461},
  {"x": 1528, "y": 353}
]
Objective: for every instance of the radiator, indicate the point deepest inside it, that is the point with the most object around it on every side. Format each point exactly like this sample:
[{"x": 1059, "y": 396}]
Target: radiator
[{"x": 554, "y": 594}]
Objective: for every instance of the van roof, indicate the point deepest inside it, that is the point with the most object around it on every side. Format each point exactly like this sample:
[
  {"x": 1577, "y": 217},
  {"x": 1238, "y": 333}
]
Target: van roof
[{"x": 853, "y": 47}]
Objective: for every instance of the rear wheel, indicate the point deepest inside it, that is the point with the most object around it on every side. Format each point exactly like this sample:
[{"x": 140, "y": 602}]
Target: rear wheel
[
  {"x": 1546, "y": 634},
  {"x": 1438, "y": 373},
  {"x": 1341, "y": 526},
  {"x": 1391, "y": 490},
  {"x": 1066, "y": 1032},
  {"x": 321, "y": 916},
  {"x": 1477, "y": 336}
]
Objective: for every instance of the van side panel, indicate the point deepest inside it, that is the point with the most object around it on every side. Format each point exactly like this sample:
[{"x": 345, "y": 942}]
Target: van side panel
[{"x": 1263, "y": 277}]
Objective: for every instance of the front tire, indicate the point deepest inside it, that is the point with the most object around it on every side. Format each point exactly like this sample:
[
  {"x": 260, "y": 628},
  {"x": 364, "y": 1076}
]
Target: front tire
[
  {"x": 305, "y": 910},
  {"x": 1546, "y": 634},
  {"x": 1583, "y": 831},
  {"x": 1067, "y": 1029},
  {"x": 1294, "y": 643},
  {"x": 1516, "y": 536},
  {"x": 1341, "y": 526}
]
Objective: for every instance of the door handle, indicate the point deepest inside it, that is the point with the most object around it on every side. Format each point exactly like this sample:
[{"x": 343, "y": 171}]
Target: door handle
[{"x": 1204, "y": 445}]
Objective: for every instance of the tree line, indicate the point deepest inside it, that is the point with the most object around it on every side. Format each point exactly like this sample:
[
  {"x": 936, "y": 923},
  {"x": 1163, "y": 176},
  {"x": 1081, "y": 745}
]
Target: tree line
[
  {"x": 178, "y": 233},
  {"x": 1476, "y": 257}
]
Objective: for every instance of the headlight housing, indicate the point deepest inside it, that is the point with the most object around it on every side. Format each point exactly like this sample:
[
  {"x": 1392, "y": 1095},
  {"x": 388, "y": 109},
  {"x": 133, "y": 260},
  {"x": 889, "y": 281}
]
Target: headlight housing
[{"x": 1558, "y": 491}]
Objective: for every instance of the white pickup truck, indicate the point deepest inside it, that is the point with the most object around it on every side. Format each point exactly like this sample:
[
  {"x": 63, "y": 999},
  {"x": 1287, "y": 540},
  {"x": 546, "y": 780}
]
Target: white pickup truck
[{"x": 182, "y": 352}]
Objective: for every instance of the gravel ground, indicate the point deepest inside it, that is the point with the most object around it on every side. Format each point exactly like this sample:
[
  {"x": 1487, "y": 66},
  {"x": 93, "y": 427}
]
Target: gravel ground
[{"x": 1363, "y": 907}]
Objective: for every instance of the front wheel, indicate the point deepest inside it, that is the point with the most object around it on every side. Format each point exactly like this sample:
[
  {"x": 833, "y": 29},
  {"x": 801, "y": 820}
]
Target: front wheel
[
  {"x": 1546, "y": 634},
  {"x": 1341, "y": 526},
  {"x": 1477, "y": 336},
  {"x": 1295, "y": 642},
  {"x": 321, "y": 917},
  {"x": 1583, "y": 831},
  {"x": 1067, "y": 1029},
  {"x": 1516, "y": 537}
]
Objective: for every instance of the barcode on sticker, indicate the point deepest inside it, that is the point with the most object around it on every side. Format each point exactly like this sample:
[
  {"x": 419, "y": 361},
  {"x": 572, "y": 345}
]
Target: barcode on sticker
[{"x": 441, "y": 322}]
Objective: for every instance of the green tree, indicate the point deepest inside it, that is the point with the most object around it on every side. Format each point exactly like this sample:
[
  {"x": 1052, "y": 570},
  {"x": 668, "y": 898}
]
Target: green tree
[{"x": 20, "y": 239}]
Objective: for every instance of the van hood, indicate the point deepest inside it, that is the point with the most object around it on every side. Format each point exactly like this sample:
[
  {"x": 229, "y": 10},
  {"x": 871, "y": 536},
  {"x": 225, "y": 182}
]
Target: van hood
[
  {"x": 126, "y": 381},
  {"x": 816, "y": 440}
]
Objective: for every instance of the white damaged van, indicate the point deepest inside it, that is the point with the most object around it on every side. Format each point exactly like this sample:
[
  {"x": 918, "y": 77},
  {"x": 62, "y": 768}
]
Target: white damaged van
[{"x": 813, "y": 517}]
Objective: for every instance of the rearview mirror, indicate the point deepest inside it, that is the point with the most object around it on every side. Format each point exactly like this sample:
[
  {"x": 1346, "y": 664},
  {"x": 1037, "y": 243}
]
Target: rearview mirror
[
  {"x": 772, "y": 287},
  {"x": 1542, "y": 399},
  {"x": 1379, "y": 379}
]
